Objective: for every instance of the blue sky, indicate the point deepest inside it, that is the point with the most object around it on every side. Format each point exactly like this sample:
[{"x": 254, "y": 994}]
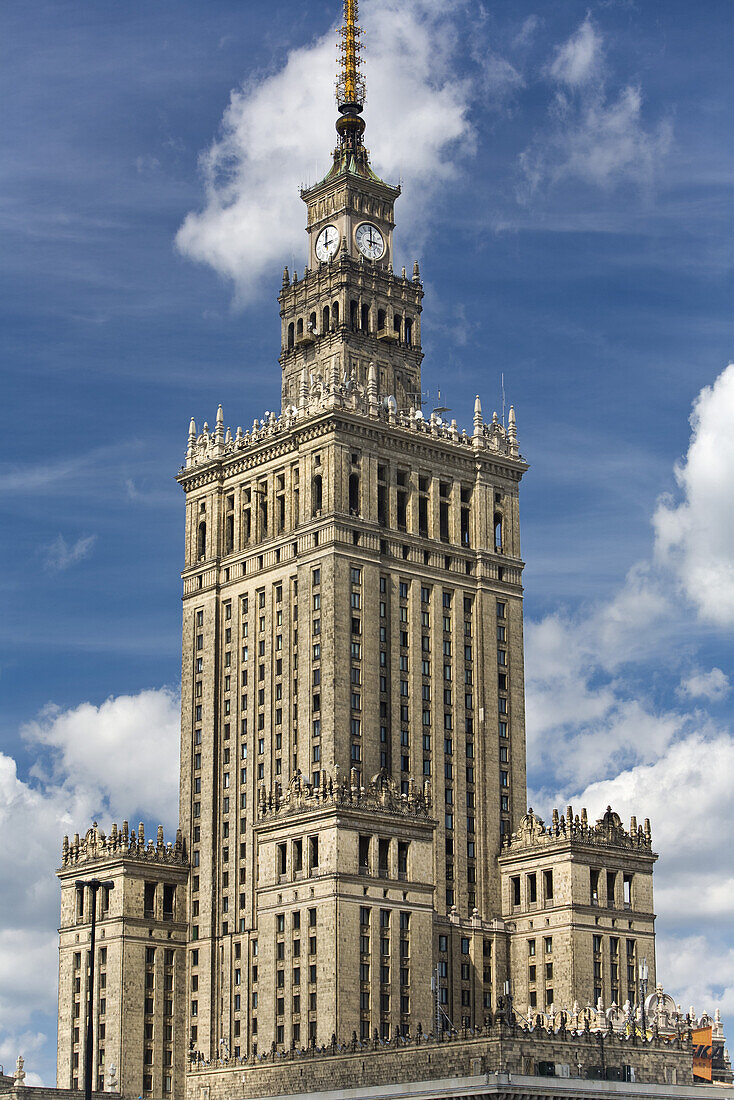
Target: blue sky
[{"x": 567, "y": 178}]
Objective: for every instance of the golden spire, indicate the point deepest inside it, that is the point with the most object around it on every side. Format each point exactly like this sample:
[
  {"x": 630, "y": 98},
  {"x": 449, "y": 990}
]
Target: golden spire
[{"x": 350, "y": 89}]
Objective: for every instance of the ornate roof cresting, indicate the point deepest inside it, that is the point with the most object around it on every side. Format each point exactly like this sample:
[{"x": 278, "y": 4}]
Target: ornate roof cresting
[
  {"x": 608, "y": 830},
  {"x": 122, "y": 842},
  {"x": 380, "y": 794},
  {"x": 318, "y": 394}
]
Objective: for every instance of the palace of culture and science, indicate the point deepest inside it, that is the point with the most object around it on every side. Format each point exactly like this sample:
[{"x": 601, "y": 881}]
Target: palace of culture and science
[{"x": 357, "y": 881}]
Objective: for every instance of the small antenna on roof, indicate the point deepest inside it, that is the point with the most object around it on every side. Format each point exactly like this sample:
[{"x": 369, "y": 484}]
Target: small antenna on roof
[
  {"x": 502, "y": 376},
  {"x": 441, "y": 409}
]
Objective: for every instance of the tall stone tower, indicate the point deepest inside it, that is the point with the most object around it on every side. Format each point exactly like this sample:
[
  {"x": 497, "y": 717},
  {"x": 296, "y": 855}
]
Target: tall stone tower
[
  {"x": 353, "y": 747},
  {"x": 354, "y": 855},
  {"x": 139, "y": 970}
]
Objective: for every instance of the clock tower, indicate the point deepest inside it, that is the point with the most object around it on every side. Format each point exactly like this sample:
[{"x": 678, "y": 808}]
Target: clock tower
[
  {"x": 350, "y": 308},
  {"x": 353, "y": 749}
]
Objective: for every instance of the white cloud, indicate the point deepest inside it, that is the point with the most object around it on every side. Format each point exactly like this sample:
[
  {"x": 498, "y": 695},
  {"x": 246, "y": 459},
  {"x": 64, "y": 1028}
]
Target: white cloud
[
  {"x": 580, "y": 58},
  {"x": 698, "y": 972},
  {"x": 61, "y": 555},
  {"x": 713, "y": 685},
  {"x": 599, "y": 734},
  {"x": 499, "y": 78},
  {"x": 125, "y": 750},
  {"x": 527, "y": 31},
  {"x": 686, "y": 793},
  {"x": 695, "y": 534},
  {"x": 29, "y": 965},
  {"x": 592, "y": 135},
  {"x": 108, "y": 762},
  {"x": 28, "y": 1043},
  {"x": 589, "y": 709},
  {"x": 253, "y": 217}
]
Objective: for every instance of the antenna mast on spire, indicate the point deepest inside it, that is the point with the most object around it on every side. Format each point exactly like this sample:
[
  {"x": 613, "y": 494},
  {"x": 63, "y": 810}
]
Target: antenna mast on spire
[{"x": 350, "y": 86}]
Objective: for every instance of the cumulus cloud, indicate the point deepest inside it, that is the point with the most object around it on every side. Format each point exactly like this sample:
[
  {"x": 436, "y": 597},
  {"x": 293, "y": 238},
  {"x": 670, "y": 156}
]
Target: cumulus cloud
[
  {"x": 28, "y": 1043},
  {"x": 687, "y": 795},
  {"x": 713, "y": 685},
  {"x": 699, "y": 971},
  {"x": 593, "y": 134},
  {"x": 61, "y": 555},
  {"x": 600, "y": 732},
  {"x": 586, "y": 693},
  {"x": 695, "y": 532},
  {"x": 585, "y": 715},
  {"x": 123, "y": 750},
  {"x": 112, "y": 761},
  {"x": 252, "y": 216}
]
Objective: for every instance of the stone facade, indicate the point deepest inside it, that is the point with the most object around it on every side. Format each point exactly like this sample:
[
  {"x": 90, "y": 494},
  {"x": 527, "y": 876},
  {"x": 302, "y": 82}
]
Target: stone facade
[
  {"x": 577, "y": 902},
  {"x": 355, "y": 863},
  {"x": 350, "y": 612},
  {"x": 140, "y": 965},
  {"x": 501, "y": 1048}
]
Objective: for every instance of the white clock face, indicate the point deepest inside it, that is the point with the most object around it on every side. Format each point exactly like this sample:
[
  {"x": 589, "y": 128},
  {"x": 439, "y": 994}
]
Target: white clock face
[
  {"x": 327, "y": 243},
  {"x": 370, "y": 241}
]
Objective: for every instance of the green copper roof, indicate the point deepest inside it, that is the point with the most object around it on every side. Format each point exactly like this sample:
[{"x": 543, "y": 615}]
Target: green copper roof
[{"x": 354, "y": 164}]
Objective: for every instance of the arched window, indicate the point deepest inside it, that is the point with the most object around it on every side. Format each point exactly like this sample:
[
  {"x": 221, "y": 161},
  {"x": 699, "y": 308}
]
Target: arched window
[
  {"x": 291, "y": 335},
  {"x": 354, "y": 494},
  {"x": 498, "y": 531},
  {"x": 397, "y": 324},
  {"x": 325, "y": 319},
  {"x": 317, "y": 497},
  {"x": 380, "y": 320},
  {"x": 365, "y": 318},
  {"x": 335, "y": 314},
  {"x": 408, "y": 330},
  {"x": 353, "y": 314},
  {"x": 312, "y": 323},
  {"x": 201, "y": 541},
  {"x": 299, "y": 328}
]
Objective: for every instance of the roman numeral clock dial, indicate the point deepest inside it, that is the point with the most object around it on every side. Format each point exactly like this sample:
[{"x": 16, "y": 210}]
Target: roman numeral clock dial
[
  {"x": 370, "y": 241},
  {"x": 327, "y": 243}
]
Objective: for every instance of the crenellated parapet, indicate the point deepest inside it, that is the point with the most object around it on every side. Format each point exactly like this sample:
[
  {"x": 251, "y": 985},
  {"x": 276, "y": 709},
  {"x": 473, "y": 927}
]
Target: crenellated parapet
[
  {"x": 380, "y": 795},
  {"x": 607, "y": 831},
  {"x": 318, "y": 395},
  {"x": 96, "y": 846}
]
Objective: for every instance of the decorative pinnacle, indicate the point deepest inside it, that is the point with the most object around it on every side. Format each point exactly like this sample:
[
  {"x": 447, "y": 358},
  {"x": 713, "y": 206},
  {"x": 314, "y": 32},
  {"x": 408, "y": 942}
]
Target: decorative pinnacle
[
  {"x": 350, "y": 88},
  {"x": 478, "y": 418}
]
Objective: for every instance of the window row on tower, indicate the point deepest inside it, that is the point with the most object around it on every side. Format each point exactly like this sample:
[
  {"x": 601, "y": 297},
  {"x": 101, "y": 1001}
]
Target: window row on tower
[
  {"x": 429, "y": 507},
  {"x": 368, "y": 319}
]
